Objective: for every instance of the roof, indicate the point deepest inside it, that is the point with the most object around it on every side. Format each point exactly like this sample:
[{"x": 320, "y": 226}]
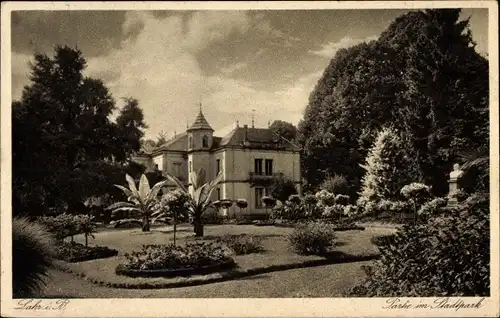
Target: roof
[
  {"x": 180, "y": 138},
  {"x": 200, "y": 123},
  {"x": 263, "y": 138}
]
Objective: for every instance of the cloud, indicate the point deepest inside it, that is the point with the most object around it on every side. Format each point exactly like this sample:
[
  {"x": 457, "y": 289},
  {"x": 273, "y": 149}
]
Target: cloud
[
  {"x": 158, "y": 65},
  {"x": 20, "y": 71},
  {"x": 233, "y": 68},
  {"x": 329, "y": 49}
]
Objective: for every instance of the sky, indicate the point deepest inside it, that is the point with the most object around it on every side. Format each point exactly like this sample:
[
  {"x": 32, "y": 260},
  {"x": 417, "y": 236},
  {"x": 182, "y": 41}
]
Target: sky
[{"x": 232, "y": 62}]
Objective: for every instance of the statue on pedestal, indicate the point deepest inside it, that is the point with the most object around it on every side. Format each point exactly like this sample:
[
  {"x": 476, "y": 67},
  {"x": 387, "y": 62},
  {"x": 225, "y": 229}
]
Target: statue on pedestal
[{"x": 455, "y": 176}]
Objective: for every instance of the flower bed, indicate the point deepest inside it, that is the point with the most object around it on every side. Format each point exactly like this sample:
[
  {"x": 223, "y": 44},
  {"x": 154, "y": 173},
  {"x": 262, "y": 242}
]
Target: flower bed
[
  {"x": 176, "y": 260},
  {"x": 75, "y": 252}
]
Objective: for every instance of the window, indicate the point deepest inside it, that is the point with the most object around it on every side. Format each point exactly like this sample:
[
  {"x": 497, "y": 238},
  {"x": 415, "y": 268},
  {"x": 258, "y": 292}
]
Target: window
[
  {"x": 217, "y": 167},
  {"x": 218, "y": 193},
  {"x": 156, "y": 167},
  {"x": 269, "y": 167},
  {"x": 177, "y": 169},
  {"x": 205, "y": 141},
  {"x": 190, "y": 141},
  {"x": 258, "y": 166},
  {"x": 259, "y": 193},
  {"x": 267, "y": 192},
  {"x": 190, "y": 166}
]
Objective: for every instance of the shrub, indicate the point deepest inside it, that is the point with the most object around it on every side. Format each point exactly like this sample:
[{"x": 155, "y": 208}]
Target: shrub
[
  {"x": 32, "y": 253},
  {"x": 335, "y": 184},
  {"x": 312, "y": 238},
  {"x": 243, "y": 244},
  {"x": 212, "y": 216},
  {"x": 75, "y": 252},
  {"x": 62, "y": 225},
  {"x": 443, "y": 256},
  {"x": 282, "y": 188},
  {"x": 325, "y": 198},
  {"x": 383, "y": 240},
  {"x": 191, "y": 255}
]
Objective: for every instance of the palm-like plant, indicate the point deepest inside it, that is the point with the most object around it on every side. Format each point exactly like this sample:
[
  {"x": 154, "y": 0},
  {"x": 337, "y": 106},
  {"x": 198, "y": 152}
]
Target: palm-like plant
[
  {"x": 200, "y": 200},
  {"x": 32, "y": 254},
  {"x": 140, "y": 201}
]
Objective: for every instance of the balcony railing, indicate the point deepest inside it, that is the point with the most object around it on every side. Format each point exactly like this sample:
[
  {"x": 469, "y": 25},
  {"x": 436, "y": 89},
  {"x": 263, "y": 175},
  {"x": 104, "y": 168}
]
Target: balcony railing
[{"x": 263, "y": 177}]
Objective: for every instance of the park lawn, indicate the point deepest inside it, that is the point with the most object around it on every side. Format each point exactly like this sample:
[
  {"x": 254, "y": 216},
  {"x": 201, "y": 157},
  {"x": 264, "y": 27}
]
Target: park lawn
[
  {"x": 322, "y": 281},
  {"x": 276, "y": 251}
]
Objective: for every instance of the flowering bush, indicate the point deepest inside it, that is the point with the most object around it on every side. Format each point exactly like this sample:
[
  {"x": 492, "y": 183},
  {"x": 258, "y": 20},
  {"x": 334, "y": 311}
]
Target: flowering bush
[
  {"x": 416, "y": 190},
  {"x": 191, "y": 255},
  {"x": 442, "y": 256},
  {"x": 295, "y": 199},
  {"x": 74, "y": 252},
  {"x": 312, "y": 238},
  {"x": 243, "y": 244},
  {"x": 325, "y": 198}
]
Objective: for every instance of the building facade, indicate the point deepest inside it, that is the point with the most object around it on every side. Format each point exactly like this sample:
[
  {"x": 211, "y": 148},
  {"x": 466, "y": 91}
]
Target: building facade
[{"x": 249, "y": 158}]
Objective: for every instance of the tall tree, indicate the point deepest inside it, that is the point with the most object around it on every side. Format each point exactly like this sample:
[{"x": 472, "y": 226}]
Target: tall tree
[
  {"x": 284, "y": 129},
  {"x": 62, "y": 131},
  {"x": 421, "y": 76}
]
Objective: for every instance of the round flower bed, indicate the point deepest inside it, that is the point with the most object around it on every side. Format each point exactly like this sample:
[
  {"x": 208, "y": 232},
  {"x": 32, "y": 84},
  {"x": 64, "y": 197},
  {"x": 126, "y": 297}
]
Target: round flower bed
[{"x": 175, "y": 260}]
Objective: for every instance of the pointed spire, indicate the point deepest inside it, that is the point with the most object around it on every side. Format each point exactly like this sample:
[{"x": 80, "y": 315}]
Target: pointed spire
[
  {"x": 200, "y": 122},
  {"x": 253, "y": 118}
]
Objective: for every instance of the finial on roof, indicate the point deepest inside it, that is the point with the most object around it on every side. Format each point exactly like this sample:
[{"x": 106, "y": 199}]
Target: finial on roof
[
  {"x": 187, "y": 125},
  {"x": 253, "y": 118},
  {"x": 268, "y": 123},
  {"x": 200, "y": 107},
  {"x": 175, "y": 133},
  {"x": 237, "y": 123}
]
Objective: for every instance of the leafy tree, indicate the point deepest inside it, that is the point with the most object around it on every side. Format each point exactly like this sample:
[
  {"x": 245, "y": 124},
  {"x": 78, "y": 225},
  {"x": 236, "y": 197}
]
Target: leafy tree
[
  {"x": 161, "y": 139},
  {"x": 63, "y": 139},
  {"x": 282, "y": 188},
  {"x": 284, "y": 129},
  {"x": 421, "y": 76}
]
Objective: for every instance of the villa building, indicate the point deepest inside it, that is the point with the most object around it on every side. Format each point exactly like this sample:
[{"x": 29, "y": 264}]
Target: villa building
[{"x": 249, "y": 158}]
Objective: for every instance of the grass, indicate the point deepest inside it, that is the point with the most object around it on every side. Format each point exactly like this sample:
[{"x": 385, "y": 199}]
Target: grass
[
  {"x": 276, "y": 252},
  {"x": 323, "y": 281}
]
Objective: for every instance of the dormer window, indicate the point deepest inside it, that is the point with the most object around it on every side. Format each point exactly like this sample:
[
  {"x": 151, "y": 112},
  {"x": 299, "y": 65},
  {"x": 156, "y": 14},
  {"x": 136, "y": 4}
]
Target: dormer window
[{"x": 204, "y": 141}]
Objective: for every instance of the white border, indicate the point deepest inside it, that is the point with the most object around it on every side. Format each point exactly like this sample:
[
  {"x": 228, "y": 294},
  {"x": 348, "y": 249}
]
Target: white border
[{"x": 299, "y": 307}]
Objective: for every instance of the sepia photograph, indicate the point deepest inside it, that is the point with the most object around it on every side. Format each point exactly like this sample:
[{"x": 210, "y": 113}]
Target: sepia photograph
[{"x": 230, "y": 152}]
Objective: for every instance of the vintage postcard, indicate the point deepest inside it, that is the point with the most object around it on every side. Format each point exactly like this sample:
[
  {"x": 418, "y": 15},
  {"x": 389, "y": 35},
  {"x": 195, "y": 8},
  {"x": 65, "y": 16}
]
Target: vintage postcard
[{"x": 250, "y": 159}]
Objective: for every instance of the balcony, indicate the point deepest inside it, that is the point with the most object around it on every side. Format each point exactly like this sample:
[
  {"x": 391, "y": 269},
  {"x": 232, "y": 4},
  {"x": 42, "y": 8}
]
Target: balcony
[{"x": 262, "y": 178}]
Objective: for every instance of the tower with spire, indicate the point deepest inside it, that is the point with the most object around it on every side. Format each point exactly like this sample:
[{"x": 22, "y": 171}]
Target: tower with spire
[{"x": 200, "y": 141}]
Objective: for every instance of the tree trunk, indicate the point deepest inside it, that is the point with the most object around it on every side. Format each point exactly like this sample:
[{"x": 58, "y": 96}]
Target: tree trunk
[
  {"x": 145, "y": 224},
  {"x": 198, "y": 226},
  {"x": 175, "y": 226}
]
